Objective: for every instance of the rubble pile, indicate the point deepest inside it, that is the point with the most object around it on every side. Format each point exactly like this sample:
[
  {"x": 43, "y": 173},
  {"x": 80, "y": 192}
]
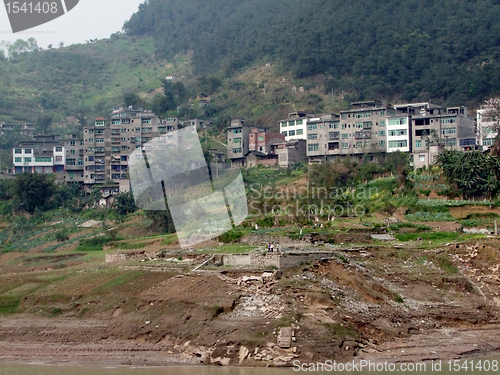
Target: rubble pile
[{"x": 257, "y": 299}]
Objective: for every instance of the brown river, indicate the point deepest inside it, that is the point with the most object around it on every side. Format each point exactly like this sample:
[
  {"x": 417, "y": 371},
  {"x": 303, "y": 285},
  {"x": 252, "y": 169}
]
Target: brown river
[{"x": 480, "y": 365}]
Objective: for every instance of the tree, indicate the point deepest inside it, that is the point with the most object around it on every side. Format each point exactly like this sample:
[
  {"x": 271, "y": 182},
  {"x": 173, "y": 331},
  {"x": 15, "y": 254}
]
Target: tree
[
  {"x": 124, "y": 203},
  {"x": 33, "y": 191},
  {"x": 474, "y": 174},
  {"x": 44, "y": 122},
  {"x": 162, "y": 221},
  {"x": 18, "y": 47}
]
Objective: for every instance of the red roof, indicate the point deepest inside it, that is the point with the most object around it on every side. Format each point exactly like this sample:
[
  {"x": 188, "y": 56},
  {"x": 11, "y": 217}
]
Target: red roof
[{"x": 100, "y": 118}]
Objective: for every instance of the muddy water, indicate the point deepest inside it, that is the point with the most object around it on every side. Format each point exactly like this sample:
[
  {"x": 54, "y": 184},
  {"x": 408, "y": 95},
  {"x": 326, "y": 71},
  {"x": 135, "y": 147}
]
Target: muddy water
[{"x": 16, "y": 369}]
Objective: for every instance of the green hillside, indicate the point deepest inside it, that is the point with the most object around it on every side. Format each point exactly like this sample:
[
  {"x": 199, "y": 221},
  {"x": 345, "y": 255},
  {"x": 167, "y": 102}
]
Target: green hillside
[
  {"x": 80, "y": 80},
  {"x": 417, "y": 50},
  {"x": 262, "y": 59}
]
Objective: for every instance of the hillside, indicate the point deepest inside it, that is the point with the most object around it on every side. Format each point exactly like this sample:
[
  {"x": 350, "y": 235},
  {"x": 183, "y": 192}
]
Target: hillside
[
  {"x": 80, "y": 80},
  {"x": 444, "y": 50},
  {"x": 262, "y": 59}
]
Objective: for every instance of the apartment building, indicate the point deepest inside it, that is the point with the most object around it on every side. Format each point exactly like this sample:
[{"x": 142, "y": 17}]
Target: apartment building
[
  {"x": 108, "y": 143},
  {"x": 50, "y": 154},
  {"x": 250, "y": 146},
  {"x": 295, "y": 126},
  {"x": 238, "y": 142},
  {"x": 434, "y": 128},
  {"x": 74, "y": 165},
  {"x": 23, "y": 128},
  {"x": 486, "y": 132}
]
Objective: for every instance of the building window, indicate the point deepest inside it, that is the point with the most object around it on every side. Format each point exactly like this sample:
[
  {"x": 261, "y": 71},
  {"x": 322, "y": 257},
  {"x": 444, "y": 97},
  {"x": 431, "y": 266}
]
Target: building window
[
  {"x": 398, "y": 144},
  {"x": 237, "y": 140},
  {"x": 398, "y": 121},
  {"x": 447, "y": 131},
  {"x": 312, "y": 136},
  {"x": 367, "y": 114},
  {"x": 237, "y": 150},
  {"x": 291, "y": 132},
  {"x": 300, "y": 131},
  {"x": 382, "y": 123},
  {"x": 345, "y": 146},
  {"x": 333, "y": 125},
  {"x": 343, "y": 115},
  {"x": 358, "y": 115},
  {"x": 487, "y": 141},
  {"x": 344, "y": 126},
  {"x": 27, "y": 151},
  {"x": 285, "y": 133},
  {"x": 18, "y": 160},
  {"x": 381, "y": 133},
  {"x": 98, "y": 140},
  {"x": 345, "y": 135},
  {"x": 80, "y": 161},
  {"x": 115, "y": 122},
  {"x": 236, "y": 131},
  {"x": 450, "y": 120},
  {"x": 450, "y": 142},
  {"x": 43, "y": 160},
  {"x": 313, "y": 147},
  {"x": 312, "y": 127},
  {"x": 418, "y": 144},
  {"x": 28, "y": 160},
  {"x": 91, "y": 158},
  {"x": 397, "y": 132},
  {"x": 70, "y": 161},
  {"x": 284, "y": 124},
  {"x": 359, "y": 125},
  {"x": 381, "y": 143},
  {"x": 291, "y": 123},
  {"x": 18, "y": 151},
  {"x": 382, "y": 112},
  {"x": 261, "y": 138},
  {"x": 59, "y": 158},
  {"x": 73, "y": 151},
  {"x": 99, "y": 123},
  {"x": 299, "y": 122},
  {"x": 421, "y": 158},
  {"x": 146, "y": 121}
]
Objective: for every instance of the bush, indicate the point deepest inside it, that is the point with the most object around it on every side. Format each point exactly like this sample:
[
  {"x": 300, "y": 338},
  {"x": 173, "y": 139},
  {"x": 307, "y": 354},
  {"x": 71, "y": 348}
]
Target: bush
[
  {"x": 266, "y": 222},
  {"x": 94, "y": 243},
  {"x": 231, "y": 236},
  {"x": 62, "y": 236}
]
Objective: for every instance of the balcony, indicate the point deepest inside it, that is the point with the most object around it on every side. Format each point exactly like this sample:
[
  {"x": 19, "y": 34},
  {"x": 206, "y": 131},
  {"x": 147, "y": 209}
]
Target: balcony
[
  {"x": 334, "y": 135},
  {"x": 362, "y": 135},
  {"x": 367, "y": 125}
]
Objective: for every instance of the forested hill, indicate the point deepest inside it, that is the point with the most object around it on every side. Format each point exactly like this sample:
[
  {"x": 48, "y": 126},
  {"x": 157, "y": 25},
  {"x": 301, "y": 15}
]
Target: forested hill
[{"x": 416, "y": 49}]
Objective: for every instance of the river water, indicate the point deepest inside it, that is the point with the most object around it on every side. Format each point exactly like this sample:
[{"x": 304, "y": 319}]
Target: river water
[{"x": 482, "y": 365}]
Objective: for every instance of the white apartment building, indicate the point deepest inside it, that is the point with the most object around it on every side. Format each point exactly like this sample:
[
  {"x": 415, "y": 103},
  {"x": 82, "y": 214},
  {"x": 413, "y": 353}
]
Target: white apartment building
[{"x": 486, "y": 133}]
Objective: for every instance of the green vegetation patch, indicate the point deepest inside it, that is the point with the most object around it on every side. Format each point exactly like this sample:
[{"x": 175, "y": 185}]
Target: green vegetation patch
[{"x": 434, "y": 236}]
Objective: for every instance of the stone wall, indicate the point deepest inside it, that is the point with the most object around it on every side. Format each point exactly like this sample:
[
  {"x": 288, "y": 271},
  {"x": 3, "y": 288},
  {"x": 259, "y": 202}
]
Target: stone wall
[{"x": 270, "y": 260}]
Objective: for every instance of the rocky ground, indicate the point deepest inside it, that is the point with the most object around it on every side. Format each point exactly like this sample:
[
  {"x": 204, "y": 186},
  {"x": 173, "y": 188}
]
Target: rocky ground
[{"x": 403, "y": 302}]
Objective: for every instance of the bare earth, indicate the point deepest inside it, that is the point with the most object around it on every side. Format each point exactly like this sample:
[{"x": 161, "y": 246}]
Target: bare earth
[{"x": 400, "y": 303}]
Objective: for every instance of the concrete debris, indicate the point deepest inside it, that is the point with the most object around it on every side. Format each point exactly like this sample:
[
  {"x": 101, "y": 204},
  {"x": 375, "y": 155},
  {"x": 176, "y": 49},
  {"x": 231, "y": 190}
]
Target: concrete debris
[
  {"x": 285, "y": 337},
  {"x": 91, "y": 224}
]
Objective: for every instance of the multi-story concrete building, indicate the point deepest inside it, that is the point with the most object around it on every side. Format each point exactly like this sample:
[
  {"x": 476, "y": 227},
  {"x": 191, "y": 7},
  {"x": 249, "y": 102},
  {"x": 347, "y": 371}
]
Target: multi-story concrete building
[
  {"x": 353, "y": 133},
  {"x": 295, "y": 126},
  {"x": 238, "y": 142},
  {"x": 45, "y": 154},
  {"x": 486, "y": 129},
  {"x": 74, "y": 166},
  {"x": 434, "y": 128},
  {"x": 25, "y": 128},
  {"x": 108, "y": 143}
]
